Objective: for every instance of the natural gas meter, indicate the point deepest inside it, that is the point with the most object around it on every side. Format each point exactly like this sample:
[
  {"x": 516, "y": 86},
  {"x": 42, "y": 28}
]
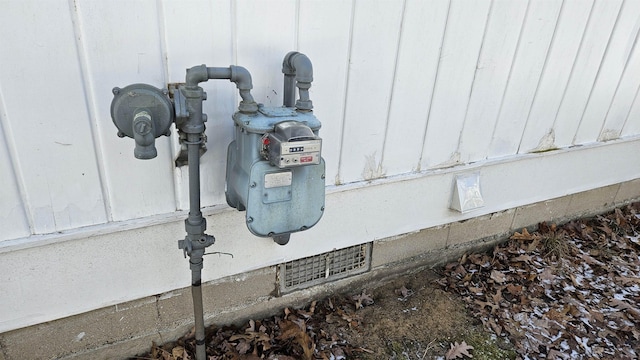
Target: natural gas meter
[
  {"x": 275, "y": 171},
  {"x": 291, "y": 144}
]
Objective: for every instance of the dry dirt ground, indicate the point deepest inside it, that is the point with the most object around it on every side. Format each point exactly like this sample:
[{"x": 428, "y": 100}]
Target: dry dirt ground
[{"x": 565, "y": 292}]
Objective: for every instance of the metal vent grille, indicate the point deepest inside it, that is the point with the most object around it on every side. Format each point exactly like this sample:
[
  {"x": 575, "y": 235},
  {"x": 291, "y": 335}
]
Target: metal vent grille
[{"x": 332, "y": 265}]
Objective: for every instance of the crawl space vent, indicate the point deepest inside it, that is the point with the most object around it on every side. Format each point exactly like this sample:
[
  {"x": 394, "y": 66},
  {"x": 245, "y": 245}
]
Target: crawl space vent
[{"x": 318, "y": 269}]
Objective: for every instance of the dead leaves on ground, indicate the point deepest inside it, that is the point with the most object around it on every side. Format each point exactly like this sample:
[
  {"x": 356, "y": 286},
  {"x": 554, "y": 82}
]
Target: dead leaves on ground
[
  {"x": 568, "y": 292},
  {"x": 296, "y": 334}
]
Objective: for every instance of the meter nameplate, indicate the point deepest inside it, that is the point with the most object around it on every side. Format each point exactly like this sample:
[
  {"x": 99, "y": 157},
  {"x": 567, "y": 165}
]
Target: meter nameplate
[{"x": 279, "y": 179}]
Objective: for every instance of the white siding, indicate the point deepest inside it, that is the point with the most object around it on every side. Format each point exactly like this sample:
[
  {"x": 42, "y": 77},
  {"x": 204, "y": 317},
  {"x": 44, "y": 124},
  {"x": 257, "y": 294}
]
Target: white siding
[
  {"x": 620, "y": 47},
  {"x": 400, "y": 86},
  {"x": 372, "y": 64},
  {"x": 328, "y": 48},
  {"x": 207, "y": 38},
  {"x": 416, "y": 69},
  {"x": 530, "y": 58},
  {"x": 45, "y": 110},
  {"x": 463, "y": 36},
  {"x": 121, "y": 45},
  {"x": 585, "y": 69},
  {"x": 538, "y": 134},
  {"x": 404, "y": 89},
  {"x": 492, "y": 73},
  {"x": 13, "y": 220}
]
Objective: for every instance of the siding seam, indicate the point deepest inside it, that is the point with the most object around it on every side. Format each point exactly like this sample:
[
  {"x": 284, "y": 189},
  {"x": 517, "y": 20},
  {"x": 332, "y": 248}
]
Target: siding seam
[
  {"x": 337, "y": 180},
  {"x": 475, "y": 73},
  {"x": 90, "y": 105},
  {"x": 164, "y": 51},
  {"x": 622, "y": 76},
  {"x": 506, "y": 86},
  {"x": 433, "y": 90},
  {"x": 575, "y": 60},
  {"x": 18, "y": 177},
  {"x": 393, "y": 83},
  {"x": 296, "y": 35},
  {"x": 626, "y": 120},
  {"x": 542, "y": 73},
  {"x": 595, "y": 81}
]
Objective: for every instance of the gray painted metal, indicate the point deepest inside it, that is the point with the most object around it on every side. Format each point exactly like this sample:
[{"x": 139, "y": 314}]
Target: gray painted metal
[
  {"x": 278, "y": 201},
  {"x": 281, "y": 201},
  {"x": 297, "y": 68},
  {"x": 290, "y": 207},
  {"x": 144, "y": 113}
]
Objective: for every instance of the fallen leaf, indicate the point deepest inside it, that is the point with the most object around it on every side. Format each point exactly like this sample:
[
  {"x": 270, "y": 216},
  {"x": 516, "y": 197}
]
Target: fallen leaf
[
  {"x": 459, "y": 351},
  {"x": 178, "y": 352},
  {"x": 522, "y": 236},
  {"x": 404, "y": 292},
  {"x": 522, "y": 258},
  {"x": 362, "y": 300},
  {"x": 623, "y": 305},
  {"x": 498, "y": 276},
  {"x": 514, "y": 289},
  {"x": 243, "y": 346}
]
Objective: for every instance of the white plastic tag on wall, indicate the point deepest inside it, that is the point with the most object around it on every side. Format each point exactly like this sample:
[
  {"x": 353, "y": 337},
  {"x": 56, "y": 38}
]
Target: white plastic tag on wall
[{"x": 467, "y": 194}]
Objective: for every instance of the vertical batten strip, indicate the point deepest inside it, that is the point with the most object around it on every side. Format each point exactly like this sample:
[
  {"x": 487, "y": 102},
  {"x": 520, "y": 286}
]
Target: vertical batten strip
[
  {"x": 494, "y": 132},
  {"x": 528, "y": 66},
  {"x": 542, "y": 76},
  {"x": 418, "y": 58},
  {"x": 622, "y": 100},
  {"x": 89, "y": 95},
  {"x": 433, "y": 90},
  {"x": 491, "y": 78},
  {"x": 475, "y": 74},
  {"x": 338, "y": 178},
  {"x": 539, "y": 134},
  {"x": 16, "y": 171},
  {"x": 592, "y": 49},
  {"x": 460, "y": 50},
  {"x": 174, "y": 144},
  {"x": 296, "y": 33},
  {"x": 609, "y": 74},
  {"x": 631, "y": 127},
  {"x": 393, "y": 83}
]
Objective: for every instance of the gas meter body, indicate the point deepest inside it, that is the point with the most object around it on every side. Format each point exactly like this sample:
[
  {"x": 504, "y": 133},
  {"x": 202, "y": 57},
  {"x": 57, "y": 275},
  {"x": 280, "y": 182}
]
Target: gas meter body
[{"x": 275, "y": 171}]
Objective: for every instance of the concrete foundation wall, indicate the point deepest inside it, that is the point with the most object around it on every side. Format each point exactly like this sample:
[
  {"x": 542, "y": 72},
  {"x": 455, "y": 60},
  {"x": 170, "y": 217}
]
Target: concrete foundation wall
[{"x": 128, "y": 328}]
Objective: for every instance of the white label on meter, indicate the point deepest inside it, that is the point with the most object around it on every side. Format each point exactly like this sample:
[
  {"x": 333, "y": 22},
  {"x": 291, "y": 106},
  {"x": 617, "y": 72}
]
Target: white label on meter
[
  {"x": 295, "y": 147},
  {"x": 278, "y": 179}
]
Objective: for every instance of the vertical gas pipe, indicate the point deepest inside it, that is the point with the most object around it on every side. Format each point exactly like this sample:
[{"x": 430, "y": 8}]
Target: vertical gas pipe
[
  {"x": 190, "y": 100},
  {"x": 196, "y": 240},
  {"x": 143, "y": 112}
]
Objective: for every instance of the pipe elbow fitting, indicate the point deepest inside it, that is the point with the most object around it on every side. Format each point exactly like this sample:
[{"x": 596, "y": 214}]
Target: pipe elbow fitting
[
  {"x": 298, "y": 64},
  {"x": 196, "y": 75},
  {"x": 241, "y": 77}
]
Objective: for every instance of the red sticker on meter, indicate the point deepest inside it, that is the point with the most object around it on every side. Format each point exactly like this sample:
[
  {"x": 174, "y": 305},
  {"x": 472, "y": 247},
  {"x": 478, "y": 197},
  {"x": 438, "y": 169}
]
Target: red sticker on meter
[{"x": 306, "y": 159}]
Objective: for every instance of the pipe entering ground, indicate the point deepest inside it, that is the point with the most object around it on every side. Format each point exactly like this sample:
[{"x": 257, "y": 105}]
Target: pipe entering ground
[
  {"x": 276, "y": 153},
  {"x": 197, "y": 241}
]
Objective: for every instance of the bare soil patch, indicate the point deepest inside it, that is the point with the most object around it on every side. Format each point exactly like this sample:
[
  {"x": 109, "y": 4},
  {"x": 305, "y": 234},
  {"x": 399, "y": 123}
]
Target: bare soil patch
[{"x": 561, "y": 292}]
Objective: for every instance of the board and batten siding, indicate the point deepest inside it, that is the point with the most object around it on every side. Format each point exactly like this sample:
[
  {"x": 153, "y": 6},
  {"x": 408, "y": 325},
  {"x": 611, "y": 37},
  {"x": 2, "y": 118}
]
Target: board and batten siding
[{"x": 402, "y": 87}]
